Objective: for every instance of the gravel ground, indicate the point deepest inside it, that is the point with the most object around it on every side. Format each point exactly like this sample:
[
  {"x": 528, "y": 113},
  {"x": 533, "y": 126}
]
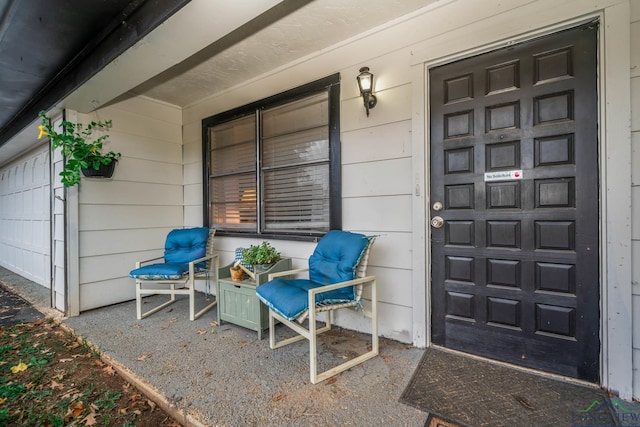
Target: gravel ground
[{"x": 222, "y": 375}]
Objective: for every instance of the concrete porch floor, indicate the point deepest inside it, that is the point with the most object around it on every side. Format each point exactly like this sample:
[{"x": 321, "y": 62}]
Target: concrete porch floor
[{"x": 222, "y": 375}]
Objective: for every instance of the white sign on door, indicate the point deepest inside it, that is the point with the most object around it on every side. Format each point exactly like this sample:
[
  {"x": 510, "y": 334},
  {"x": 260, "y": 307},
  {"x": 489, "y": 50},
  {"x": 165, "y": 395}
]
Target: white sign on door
[{"x": 503, "y": 175}]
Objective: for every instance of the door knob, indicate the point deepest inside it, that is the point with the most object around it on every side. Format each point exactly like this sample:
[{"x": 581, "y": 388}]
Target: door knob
[{"x": 437, "y": 222}]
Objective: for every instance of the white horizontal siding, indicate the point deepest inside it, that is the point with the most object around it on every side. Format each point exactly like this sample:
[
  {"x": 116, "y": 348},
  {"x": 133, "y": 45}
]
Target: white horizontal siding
[
  {"x": 126, "y": 219},
  {"x": 635, "y": 189},
  {"x": 384, "y": 142},
  {"x": 106, "y": 292},
  {"x": 377, "y": 214}
]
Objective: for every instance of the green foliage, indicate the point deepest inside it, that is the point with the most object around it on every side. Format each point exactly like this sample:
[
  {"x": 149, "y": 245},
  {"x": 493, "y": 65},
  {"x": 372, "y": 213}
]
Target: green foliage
[
  {"x": 76, "y": 145},
  {"x": 263, "y": 253},
  {"x": 109, "y": 399},
  {"x": 11, "y": 391}
]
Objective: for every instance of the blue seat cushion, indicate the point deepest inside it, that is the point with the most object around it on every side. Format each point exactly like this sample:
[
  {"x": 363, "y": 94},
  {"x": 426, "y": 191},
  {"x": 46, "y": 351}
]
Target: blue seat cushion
[
  {"x": 161, "y": 271},
  {"x": 185, "y": 245},
  {"x": 335, "y": 260},
  {"x": 290, "y": 298}
]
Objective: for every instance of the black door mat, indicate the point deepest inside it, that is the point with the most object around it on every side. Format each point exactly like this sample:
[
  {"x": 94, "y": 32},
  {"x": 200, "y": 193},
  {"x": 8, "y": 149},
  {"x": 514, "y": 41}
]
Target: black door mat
[
  {"x": 468, "y": 391},
  {"x": 15, "y": 310}
]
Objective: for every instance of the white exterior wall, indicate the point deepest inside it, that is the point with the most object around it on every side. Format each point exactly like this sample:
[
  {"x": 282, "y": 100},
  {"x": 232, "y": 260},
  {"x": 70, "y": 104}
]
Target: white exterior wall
[
  {"x": 126, "y": 219},
  {"x": 385, "y": 165},
  {"x": 24, "y": 216},
  {"x": 635, "y": 187}
]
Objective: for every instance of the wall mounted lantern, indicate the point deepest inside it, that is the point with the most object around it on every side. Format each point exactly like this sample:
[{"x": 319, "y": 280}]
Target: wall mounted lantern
[{"x": 365, "y": 84}]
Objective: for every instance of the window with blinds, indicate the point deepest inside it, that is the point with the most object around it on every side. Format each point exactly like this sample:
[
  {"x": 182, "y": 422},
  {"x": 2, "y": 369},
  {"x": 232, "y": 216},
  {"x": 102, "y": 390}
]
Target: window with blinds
[{"x": 273, "y": 168}]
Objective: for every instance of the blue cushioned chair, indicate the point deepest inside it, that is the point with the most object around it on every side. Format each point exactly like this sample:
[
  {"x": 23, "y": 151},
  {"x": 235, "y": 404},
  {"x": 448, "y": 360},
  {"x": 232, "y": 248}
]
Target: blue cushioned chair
[
  {"x": 188, "y": 256},
  {"x": 336, "y": 277}
]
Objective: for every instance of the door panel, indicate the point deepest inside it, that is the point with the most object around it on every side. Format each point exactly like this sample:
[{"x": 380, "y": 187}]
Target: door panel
[{"x": 514, "y": 163}]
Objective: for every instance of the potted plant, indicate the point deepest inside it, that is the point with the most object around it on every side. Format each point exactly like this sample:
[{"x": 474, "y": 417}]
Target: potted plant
[
  {"x": 237, "y": 273},
  {"x": 83, "y": 154},
  {"x": 261, "y": 256}
]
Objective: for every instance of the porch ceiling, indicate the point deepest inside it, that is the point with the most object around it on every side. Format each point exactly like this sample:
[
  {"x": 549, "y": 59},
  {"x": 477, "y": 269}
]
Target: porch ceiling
[
  {"x": 244, "y": 55},
  {"x": 175, "y": 51}
]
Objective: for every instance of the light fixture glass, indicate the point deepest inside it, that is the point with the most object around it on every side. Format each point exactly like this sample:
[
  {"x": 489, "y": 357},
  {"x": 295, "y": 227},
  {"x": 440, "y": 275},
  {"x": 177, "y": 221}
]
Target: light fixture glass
[{"x": 365, "y": 84}]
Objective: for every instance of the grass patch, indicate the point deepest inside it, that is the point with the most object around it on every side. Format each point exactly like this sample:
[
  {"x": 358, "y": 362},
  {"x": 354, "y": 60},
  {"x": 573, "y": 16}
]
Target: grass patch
[{"x": 50, "y": 378}]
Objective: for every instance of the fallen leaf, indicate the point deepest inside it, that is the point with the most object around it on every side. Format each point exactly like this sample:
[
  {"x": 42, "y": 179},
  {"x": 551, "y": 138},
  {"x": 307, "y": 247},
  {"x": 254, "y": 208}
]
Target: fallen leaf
[
  {"x": 109, "y": 370},
  {"x": 73, "y": 393},
  {"x": 98, "y": 362},
  {"x": 173, "y": 320},
  {"x": 213, "y": 324},
  {"x": 55, "y": 384},
  {"x": 201, "y": 331},
  {"x": 19, "y": 368},
  {"x": 135, "y": 396},
  {"x": 386, "y": 359},
  {"x": 29, "y": 386},
  {"x": 331, "y": 381},
  {"x": 76, "y": 410},
  {"x": 65, "y": 360},
  {"x": 151, "y": 404},
  {"x": 143, "y": 357},
  {"x": 122, "y": 411},
  {"x": 2, "y": 400},
  {"x": 279, "y": 397},
  {"x": 90, "y": 420},
  {"x": 164, "y": 327},
  {"x": 137, "y": 326}
]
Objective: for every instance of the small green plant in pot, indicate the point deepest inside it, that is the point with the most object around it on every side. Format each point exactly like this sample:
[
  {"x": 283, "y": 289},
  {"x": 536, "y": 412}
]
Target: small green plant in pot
[
  {"x": 81, "y": 152},
  {"x": 261, "y": 256}
]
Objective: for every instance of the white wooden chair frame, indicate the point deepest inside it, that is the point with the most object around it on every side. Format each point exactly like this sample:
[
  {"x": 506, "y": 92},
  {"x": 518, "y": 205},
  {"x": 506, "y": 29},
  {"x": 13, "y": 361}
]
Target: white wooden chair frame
[
  {"x": 186, "y": 284},
  {"x": 311, "y": 333}
]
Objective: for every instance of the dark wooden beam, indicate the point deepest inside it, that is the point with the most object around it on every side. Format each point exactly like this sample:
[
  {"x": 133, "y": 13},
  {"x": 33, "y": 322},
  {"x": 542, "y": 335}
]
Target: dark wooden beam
[{"x": 137, "y": 20}]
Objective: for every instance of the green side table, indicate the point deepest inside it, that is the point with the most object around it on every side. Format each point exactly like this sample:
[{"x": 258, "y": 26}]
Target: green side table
[{"x": 238, "y": 302}]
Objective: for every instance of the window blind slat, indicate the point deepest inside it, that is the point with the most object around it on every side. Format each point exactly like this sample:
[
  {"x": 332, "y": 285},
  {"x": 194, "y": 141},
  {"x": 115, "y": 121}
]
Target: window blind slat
[
  {"x": 308, "y": 146},
  {"x": 234, "y": 202},
  {"x": 297, "y": 198},
  {"x": 305, "y": 113}
]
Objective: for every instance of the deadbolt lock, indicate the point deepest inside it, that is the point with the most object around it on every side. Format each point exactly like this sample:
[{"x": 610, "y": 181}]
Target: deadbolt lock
[
  {"x": 437, "y": 206},
  {"x": 437, "y": 222}
]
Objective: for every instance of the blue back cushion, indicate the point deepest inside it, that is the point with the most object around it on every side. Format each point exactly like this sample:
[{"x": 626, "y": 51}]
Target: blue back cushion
[
  {"x": 335, "y": 259},
  {"x": 185, "y": 245}
]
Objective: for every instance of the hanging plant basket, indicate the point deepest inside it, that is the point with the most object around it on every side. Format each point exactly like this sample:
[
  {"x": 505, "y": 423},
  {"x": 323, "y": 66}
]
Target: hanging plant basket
[{"x": 103, "y": 171}]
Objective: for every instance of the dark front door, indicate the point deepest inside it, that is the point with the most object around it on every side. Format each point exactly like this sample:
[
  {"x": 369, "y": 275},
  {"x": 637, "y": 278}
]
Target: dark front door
[{"x": 514, "y": 178}]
